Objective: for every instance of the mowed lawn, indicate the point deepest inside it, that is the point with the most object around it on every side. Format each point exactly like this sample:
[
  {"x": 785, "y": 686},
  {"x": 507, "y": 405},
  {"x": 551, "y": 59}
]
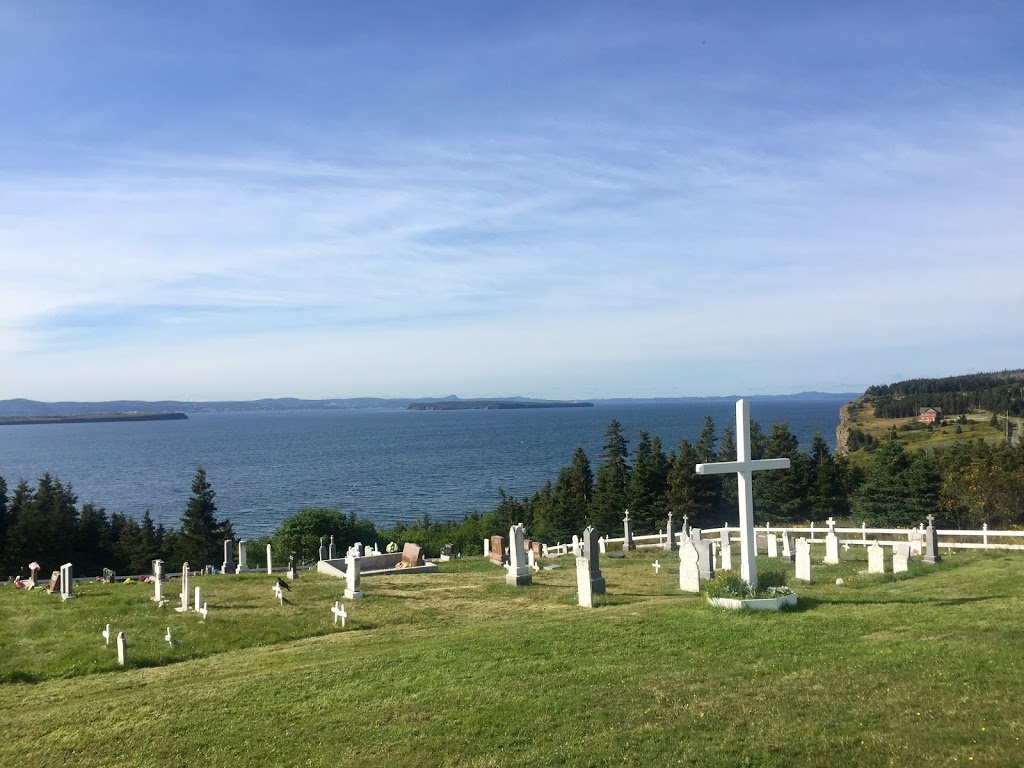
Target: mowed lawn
[{"x": 459, "y": 669}]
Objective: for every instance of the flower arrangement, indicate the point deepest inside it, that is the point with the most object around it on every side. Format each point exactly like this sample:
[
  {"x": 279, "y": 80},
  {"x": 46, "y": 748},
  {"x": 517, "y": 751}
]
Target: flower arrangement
[{"x": 728, "y": 584}]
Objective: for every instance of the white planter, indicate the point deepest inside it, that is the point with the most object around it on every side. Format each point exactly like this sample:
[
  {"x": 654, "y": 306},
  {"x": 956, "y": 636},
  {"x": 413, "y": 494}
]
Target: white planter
[{"x": 758, "y": 604}]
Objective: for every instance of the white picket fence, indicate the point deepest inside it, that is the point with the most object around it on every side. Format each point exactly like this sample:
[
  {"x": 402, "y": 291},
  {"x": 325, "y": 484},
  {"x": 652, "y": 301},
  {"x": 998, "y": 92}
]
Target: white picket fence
[{"x": 949, "y": 538}]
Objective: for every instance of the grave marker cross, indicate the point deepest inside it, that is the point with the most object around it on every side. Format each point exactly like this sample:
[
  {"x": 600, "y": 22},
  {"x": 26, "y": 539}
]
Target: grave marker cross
[{"x": 744, "y": 467}]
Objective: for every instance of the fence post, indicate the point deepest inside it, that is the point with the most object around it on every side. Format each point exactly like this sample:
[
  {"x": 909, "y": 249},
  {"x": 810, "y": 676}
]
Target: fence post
[
  {"x": 984, "y": 534},
  {"x": 864, "y": 533}
]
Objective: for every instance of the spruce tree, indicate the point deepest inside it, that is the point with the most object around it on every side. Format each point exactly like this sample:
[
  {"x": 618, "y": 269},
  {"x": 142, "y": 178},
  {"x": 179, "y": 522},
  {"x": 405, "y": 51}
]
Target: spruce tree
[
  {"x": 611, "y": 485},
  {"x": 201, "y": 537},
  {"x": 646, "y": 484}
]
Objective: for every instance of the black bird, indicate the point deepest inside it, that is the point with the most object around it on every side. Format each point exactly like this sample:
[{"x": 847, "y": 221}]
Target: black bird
[{"x": 283, "y": 584}]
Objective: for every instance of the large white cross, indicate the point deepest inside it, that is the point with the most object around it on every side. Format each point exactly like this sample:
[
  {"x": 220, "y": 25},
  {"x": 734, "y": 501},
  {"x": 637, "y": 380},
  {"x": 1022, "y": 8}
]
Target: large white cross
[{"x": 744, "y": 468}]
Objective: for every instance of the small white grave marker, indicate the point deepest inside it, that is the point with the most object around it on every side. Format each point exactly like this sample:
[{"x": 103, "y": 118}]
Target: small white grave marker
[
  {"x": 170, "y": 640},
  {"x": 657, "y": 567},
  {"x": 339, "y": 613},
  {"x": 122, "y": 649},
  {"x": 876, "y": 558},
  {"x": 803, "y": 559},
  {"x": 204, "y": 611},
  {"x": 280, "y": 593},
  {"x": 106, "y": 634},
  {"x": 199, "y": 599}
]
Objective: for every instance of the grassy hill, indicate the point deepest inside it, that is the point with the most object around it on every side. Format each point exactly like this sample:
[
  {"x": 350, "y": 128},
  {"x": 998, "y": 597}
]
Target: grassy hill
[{"x": 458, "y": 669}]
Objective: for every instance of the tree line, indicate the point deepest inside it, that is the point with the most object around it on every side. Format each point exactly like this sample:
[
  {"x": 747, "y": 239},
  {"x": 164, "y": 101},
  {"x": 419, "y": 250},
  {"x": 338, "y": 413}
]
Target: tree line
[
  {"x": 963, "y": 486},
  {"x": 999, "y": 392}
]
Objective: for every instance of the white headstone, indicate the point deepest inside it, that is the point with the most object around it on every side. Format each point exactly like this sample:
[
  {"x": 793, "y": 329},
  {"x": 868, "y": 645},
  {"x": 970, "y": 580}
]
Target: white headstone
[
  {"x": 270, "y": 561},
  {"x": 689, "y": 567},
  {"x": 876, "y": 558},
  {"x": 204, "y": 611},
  {"x": 228, "y": 566},
  {"x": 106, "y": 634},
  {"x": 602, "y": 545},
  {"x": 339, "y": 613},
  {"x": 744, "y": 467},
  {"x": 332, "y": 549},
  {"x": 122, "y": 649},
  {"x": 487, "y": 547},
  {"x": 158, "y": 581},
  {"x": 657, "y": 567},
  {"x": 519, "y": 574},
  {"x": 773, "y": 545},
  {"x": 901, "y": 558},
  {"x": 353, "y": 567},
  {"x": 583, "y": 584},
  {"x": 576, "y": 546},
  {"x": 916, "y": 539},
  {"x": 787, "y": 545},
  {"x": 184, "y": 594},
  {"x": 803, "y": 559},
  {"x": 243, "y": 557},
  {"x": 198, "y": 599},
  {"x": 67, "y": 581},
  {"x": 831, "y": 547},
  {"x": 727, "y": 557}
]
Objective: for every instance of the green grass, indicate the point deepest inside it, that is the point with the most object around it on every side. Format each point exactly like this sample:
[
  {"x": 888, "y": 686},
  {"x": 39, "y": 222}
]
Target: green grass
[{"x": 457, "y": 668}]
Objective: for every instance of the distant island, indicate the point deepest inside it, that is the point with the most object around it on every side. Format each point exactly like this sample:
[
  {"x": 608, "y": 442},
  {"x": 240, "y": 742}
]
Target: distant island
[
  {"x": 493, "y": 405},
  {"x": 90, "y": 418}
]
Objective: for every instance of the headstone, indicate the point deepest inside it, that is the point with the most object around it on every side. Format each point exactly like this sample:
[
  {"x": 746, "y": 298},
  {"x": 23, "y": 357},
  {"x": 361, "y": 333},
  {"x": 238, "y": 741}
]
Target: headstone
[
  {"x": 109, "y": 576},
  {"x": 591, "y": 552},
  {"x": 583, "y": 583},
  {"x": 726, "y": 557},
  {"x": 670, "y": 531},
  {"x": 229, "y": 565},
  {"x": 931, "y": 543},
  {"x": 876, "y": 558},
  {"x": 204, "y": 611},
  {"x": 412, "y": 555},
  {"x": 106, "y": 635},
  {"x": 198, "y": 599},
  {"x": 695, "y": 535},
  {"x": 627, "y": 527},
  {"x": 293, "y": 567},
  {"x": 33, "y": 575},
  {"x": 367, "y": 550},
  {"x": 803, "y": 559},
  {"x": 339, "y": 613},
  {"x": 352, "y": 568},
  {"x": 158, "y": 581},
  {"x": 576, "y": 546},
  {"x": 706, "y": 558},
  {"x": 689, "y": 567},
  {"x": 602, "y": 545},
  {"x": 531, "y": 559},
  {"x": 537, "y": 549},
  {"x": 332, "y": 549},
  {"x": 831, "y": 548},
  {"x": 487, "y": 547},
  {"x": 916, "y": 539},
  {"x": 243, "y": 558},
  {"x": 724, "y": 538},
  {"x": 657, "y": 567},
  {"x": 209, "y": 571},
  {"x": 901, "y": 558},
  {"x": 497, "y": 553},
  {"x": 787, "y": 546},
  {"x": 519, "y": 574},
  {"x": 322, "y": 553},
  {"x": 54, "y": 583},
  {"x": 446, "y": 553},
  {"x": 744, "y": 467},
  {"x": 184, "y": 594},
  {"x": 773, "y": 545},
  {"x": 67, "y": 582},
  {"x": 122, "y": 649},
  {"x": 270, "y": 561}
]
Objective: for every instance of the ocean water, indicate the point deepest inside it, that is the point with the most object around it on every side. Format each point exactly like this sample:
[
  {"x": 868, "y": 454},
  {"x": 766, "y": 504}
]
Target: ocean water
[{"x": 385, "y": 465}]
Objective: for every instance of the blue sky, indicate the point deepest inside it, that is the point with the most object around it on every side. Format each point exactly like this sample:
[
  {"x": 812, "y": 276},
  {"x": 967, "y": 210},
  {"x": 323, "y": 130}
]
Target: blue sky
[{"x": 239, "y": 200}]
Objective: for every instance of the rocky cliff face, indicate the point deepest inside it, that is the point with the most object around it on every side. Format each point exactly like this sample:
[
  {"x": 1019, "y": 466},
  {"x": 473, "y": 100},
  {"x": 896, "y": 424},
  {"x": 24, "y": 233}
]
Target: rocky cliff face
[{"x": 843, "y": 431}]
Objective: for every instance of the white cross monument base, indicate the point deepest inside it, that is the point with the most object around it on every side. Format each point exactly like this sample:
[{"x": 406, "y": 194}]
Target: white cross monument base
[{"x": 744, "y": 467}]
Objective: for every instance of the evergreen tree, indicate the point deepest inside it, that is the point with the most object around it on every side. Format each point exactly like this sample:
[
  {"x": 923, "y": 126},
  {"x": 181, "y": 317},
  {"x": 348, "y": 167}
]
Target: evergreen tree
[
  {"x": 725, "y": 487},
  {"x": 42, "y": 525},
  {"x": 882, "y": 499},
  {"x": 570, "y": 500},
  {"x": 509, "y": 512},
  {"x": 540, "y": 509},
  {"x": 201, "y": 537},
  {"x": 646, "y": 485},
  {"x": 93, "y": 544},
  {"x": 611, "y": 486},
  {"x": 780, "y": 496},
  {"x": 827, "y": 495},
  {"x": 686, "y": 492}
]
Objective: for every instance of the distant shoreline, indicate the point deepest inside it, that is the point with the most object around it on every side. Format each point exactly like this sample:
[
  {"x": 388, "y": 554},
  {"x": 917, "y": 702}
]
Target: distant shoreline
[
  {"x": 93, "y": 418},
  {"x": 494, "y": 405}
]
